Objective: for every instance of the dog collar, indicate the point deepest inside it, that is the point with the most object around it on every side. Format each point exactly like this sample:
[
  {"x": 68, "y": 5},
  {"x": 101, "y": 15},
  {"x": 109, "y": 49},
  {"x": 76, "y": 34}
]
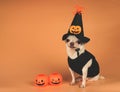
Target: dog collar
[{"x": 77, "y": 50}]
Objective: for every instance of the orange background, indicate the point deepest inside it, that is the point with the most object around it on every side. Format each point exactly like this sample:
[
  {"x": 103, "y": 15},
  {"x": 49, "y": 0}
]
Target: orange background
[{"x": 30, "y": 42}]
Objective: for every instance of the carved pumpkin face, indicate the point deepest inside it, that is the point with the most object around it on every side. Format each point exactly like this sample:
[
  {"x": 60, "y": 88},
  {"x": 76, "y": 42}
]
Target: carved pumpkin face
[
  {"x": 41, "y": 80},
  {"x": 55, "y": 79},
  {"x": 75, "y": 29}
]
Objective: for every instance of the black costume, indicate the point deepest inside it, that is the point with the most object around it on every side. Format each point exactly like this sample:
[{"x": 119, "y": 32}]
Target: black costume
[{"x": 78, "y": 63}]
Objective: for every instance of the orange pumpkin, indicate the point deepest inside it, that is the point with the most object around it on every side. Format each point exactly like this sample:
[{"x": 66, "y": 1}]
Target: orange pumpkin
[
  {"x": 75, "y": 29},
  {"x": 55, "y": 79},
  {"x": 41, "y": 80}
]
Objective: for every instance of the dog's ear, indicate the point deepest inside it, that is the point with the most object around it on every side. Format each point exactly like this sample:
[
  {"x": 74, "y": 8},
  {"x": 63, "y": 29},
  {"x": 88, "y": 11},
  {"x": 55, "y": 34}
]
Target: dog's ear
[{"x": 65, "y": 36}]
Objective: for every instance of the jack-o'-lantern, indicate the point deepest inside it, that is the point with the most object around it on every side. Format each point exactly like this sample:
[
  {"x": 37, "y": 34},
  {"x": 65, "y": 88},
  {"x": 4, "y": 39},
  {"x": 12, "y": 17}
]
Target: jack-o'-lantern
[
  {"x": 41, "y": 80},
  {"x": 75, "y": 29},
  {"x": 55, "y": 79}
]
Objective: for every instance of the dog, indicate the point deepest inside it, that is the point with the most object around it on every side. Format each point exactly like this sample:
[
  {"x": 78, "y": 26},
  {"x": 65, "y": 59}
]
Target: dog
[{"x": 81, "y": 61}]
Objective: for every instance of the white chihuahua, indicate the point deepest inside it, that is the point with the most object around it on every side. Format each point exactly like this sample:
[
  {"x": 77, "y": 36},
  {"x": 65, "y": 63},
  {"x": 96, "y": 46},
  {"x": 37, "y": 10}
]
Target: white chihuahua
[{"x": 81, "y": 61}]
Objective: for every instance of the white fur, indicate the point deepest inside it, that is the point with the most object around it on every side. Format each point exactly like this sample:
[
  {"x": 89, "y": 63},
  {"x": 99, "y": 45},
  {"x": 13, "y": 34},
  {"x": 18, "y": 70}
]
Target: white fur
[
  {"x": 73, "y": 54},
  {"x": 85, "y": 72},
  {"x": 73, "y": 76}
]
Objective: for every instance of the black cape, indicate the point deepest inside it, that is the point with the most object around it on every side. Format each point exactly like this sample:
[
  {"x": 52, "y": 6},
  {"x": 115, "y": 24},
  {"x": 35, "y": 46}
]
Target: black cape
[{"x": 78, "y": 63}]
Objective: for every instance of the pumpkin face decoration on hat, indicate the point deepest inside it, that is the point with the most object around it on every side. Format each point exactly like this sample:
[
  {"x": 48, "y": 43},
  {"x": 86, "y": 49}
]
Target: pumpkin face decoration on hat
[
  {"x": 41, "y": 80},
  {"x": 55, "y": 79},
  {"x": 75, "y": 29}
]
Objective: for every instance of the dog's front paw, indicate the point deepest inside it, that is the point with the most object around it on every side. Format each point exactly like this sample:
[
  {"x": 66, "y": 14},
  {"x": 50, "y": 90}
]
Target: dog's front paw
[
  {"x": 82, "y": 86},
  {"x": 72, "y": 83}
]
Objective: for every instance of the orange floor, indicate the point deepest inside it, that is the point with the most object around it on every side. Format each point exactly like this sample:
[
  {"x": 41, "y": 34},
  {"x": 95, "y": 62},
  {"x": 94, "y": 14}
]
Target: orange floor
[
  {"x": 110, "y": 84},
  {"x": 30, "y": 43}
]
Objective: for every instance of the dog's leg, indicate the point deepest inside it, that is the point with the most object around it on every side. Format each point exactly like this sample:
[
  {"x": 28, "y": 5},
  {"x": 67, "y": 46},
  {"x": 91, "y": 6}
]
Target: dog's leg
[
  {"x": 73, "y": 77},
  {"x": 97, "y": 77},
  {"x": 85, "y": 72}
]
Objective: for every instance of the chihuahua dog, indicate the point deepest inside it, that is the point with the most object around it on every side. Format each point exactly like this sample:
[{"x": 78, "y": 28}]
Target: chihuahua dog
[{"x": 81, "y": 61}]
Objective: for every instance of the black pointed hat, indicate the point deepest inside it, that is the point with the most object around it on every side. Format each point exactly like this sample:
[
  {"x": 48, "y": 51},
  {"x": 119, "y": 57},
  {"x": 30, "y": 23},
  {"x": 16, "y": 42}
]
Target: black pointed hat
[{"x": 76, "y": 29}]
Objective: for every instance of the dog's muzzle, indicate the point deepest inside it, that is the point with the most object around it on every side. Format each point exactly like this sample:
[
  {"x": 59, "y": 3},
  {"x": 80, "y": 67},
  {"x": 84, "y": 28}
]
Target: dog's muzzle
[{"x": 72, "y": 45}]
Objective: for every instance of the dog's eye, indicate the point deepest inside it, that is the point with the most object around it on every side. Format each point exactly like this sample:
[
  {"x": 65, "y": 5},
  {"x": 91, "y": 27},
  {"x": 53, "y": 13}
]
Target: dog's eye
[
  {"x": 67, "y": 40},
  {"x": 79, "y": 42}
]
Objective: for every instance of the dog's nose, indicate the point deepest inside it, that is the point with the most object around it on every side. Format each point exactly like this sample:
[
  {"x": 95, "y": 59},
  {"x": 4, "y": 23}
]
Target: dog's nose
[{"x": 72, "y": 44}]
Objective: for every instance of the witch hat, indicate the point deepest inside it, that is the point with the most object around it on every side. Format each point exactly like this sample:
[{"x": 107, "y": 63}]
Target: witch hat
[{"x": 76, "y": 29}]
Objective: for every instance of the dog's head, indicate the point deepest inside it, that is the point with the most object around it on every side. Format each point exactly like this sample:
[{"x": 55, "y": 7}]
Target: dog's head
[{"x": 73, "y": 42}]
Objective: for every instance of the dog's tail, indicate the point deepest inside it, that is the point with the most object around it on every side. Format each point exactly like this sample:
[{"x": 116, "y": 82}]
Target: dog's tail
[{"x": 101, "y": 77}]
